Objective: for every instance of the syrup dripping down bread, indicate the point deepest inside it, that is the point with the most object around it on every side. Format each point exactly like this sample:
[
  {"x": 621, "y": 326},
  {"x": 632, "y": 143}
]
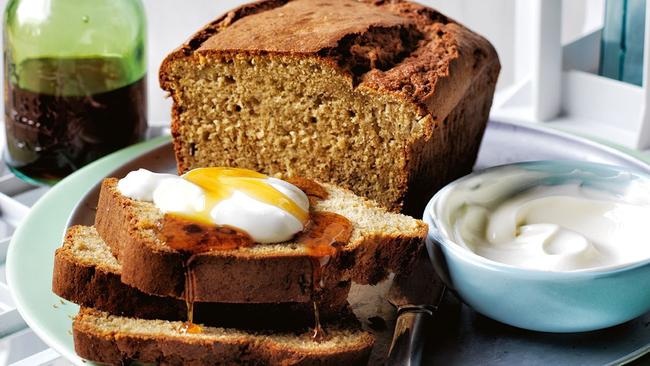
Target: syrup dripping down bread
[
  {"x": 87, "y": 273},
  {"x": 380, "y": 242}
]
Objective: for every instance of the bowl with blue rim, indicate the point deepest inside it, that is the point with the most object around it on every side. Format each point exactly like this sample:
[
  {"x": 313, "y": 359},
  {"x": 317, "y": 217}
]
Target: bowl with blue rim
[{"x": 553, "y": 246}]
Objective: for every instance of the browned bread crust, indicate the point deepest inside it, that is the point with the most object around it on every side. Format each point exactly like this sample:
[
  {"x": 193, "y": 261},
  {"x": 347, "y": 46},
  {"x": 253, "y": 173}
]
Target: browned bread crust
[
  {"x": 258, "y": 274},
  {"x": 83, "y": 275},
  {"x": 394, "y": 46},
  {"x": 391, "y": 48},
  {"x": 117, "y": 341}
]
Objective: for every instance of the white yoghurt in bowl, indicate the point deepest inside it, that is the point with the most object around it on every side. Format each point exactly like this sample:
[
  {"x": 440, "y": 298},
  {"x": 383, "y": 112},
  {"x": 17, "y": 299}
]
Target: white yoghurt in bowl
[
  {"x": 549, "y": 220},
  {"x": 551, "y": 246}
]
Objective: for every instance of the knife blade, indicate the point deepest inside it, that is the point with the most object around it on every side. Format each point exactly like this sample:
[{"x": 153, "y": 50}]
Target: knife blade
[{"x": 416, "y": 295}]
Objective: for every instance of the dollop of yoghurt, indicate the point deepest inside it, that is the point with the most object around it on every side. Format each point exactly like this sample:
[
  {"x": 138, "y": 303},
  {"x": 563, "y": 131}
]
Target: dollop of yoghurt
[
  {"x": 562, "y": 227},
  {"x": 269, "y": 210}
]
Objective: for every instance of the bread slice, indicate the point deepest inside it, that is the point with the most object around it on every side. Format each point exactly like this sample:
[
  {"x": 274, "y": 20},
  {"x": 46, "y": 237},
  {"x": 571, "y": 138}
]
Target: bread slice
[
  {"x": 386, "y": 98},
  {"x": 264, "y": 273},
  {"x": 117, "y": 340},
  {"x": 86, "y": 273}
]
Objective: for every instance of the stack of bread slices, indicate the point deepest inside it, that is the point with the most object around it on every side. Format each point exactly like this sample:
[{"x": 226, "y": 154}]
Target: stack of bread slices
[
  {"x": 255, "y": 305},
  {"x": 388, "y": 99}
]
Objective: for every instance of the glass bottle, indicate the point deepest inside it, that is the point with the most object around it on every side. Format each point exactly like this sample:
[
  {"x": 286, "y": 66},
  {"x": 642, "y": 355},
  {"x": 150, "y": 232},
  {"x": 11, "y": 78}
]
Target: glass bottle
[{"x": 75, "y": 83}]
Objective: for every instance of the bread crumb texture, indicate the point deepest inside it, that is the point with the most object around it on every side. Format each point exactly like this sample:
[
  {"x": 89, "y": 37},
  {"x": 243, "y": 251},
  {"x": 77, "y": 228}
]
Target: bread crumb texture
[
  {"x": 369, "y": 221},
  {"x": 349, "y": 92},
  {"x": 119, "y": 340}
]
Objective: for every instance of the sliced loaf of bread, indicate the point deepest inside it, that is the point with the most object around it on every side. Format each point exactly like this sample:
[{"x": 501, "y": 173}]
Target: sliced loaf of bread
[
  {"x": 265, "y": 273},
  {"x": 86, "y": 273},
  {"x": 118, "y": 340},
  {"x": 387, "y": 98}
]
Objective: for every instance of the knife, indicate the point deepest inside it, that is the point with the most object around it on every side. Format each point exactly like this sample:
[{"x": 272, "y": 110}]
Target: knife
[{"x": 416, "y": 296}]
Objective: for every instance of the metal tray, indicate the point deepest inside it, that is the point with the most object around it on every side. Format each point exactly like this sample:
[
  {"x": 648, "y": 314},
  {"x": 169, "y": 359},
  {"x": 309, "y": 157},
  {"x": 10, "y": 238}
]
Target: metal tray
[{"x": 460, "y": 335}]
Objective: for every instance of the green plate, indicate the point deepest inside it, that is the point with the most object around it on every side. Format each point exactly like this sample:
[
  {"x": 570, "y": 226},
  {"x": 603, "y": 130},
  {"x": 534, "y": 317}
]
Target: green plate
[{"x": 30, "y": 258}]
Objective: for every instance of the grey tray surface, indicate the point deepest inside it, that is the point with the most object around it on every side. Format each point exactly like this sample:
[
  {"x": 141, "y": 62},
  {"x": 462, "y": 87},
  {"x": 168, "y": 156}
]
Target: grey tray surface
[{"x": 461, "y": 336}]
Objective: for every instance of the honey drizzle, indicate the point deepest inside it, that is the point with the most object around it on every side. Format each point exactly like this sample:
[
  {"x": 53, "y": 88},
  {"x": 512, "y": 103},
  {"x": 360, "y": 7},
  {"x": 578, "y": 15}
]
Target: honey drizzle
[
  {"x": 324, "y": 234},
  {"x": 189, "y": 237},
  {"x": 220, "y": 184},
  {"x": 318, "y": 334},
  {"x": 320, "y": 242},
  {"x": 185, "y": 235},
  {"x": 189, "y": 326}
]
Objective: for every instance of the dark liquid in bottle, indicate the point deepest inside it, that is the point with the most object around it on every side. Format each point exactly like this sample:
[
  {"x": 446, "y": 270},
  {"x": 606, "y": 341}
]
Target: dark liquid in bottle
[{"x": 61, "y": 114}]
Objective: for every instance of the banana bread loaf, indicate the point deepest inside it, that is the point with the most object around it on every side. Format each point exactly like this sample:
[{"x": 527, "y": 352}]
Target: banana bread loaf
[{"x": 387, "y": 98}]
